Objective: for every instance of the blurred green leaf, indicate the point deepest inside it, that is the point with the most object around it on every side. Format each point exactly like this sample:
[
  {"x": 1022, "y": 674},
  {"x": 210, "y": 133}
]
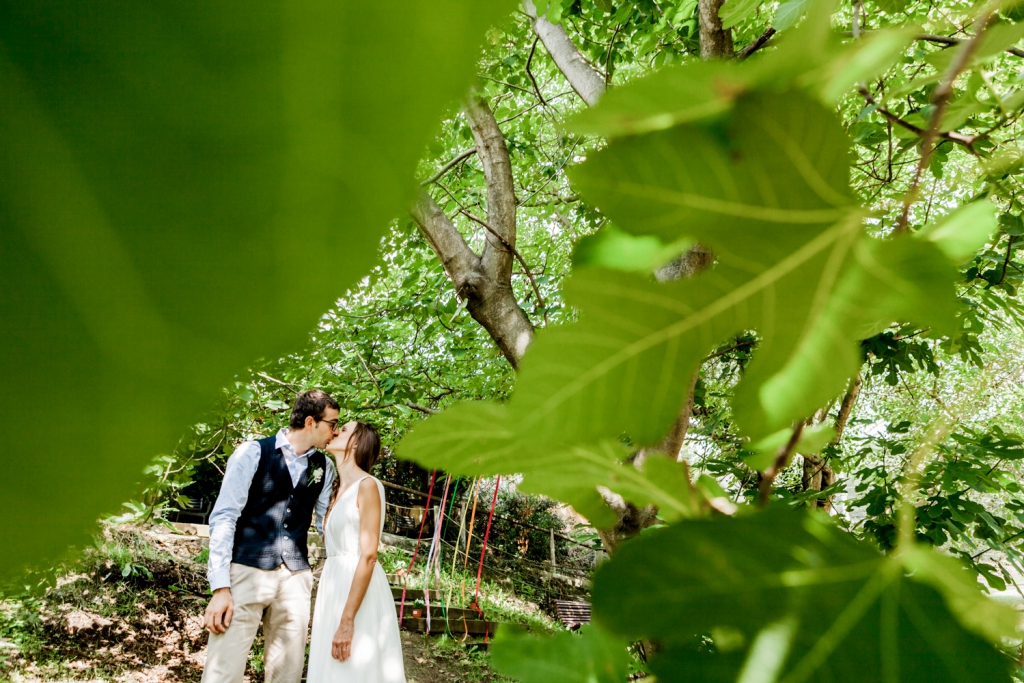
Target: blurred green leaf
[
  {"x": 962, "y": 232},
  {"x": 976, "y": 611},
  {"x": 184, "y": 188},
  {"x": 664, "y": 99},
  {"x": 812, "y": 440},
  {"x": 618, "y": 250},
  {"x": 789, "y": 13},
  {"x": 855, "y": 615},
  {"x": 734, "y": 12},
  {"x": 589, "y": 656}
]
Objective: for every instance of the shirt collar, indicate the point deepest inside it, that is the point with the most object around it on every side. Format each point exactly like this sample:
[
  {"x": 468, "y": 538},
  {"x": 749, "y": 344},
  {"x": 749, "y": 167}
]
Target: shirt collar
[{"x": 286, "y": 446}]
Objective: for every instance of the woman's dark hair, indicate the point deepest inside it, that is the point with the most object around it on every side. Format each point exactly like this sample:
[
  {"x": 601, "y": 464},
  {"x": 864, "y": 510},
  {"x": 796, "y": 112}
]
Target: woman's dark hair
[
  {"x": 312, "y": 404},
  {"x": 365, "y": 451}
]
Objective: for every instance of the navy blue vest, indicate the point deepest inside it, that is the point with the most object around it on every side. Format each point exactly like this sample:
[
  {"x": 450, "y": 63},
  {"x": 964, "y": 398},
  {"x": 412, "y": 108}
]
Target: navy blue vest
[{"x": 272, "y": 528}]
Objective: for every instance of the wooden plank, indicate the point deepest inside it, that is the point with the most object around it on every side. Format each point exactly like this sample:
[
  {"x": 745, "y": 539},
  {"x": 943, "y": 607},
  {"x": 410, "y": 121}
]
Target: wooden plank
[
  {"x": 456, "y": 626},
  {"x": 413, "y": 594},
  {"x": 572, "y": 613},
  {"x": 438, "y": 612}
]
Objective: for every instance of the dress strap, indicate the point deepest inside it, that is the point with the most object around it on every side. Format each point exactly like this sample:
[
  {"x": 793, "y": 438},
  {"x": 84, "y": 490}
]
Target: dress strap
[{"x": 355, "y": 484}]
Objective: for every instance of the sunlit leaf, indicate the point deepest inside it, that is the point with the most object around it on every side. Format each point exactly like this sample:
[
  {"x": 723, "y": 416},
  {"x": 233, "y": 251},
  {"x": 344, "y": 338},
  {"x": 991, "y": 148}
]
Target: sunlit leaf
[
  {"x": 482, "y": 439},
  {"x": 856, "y": 615}
]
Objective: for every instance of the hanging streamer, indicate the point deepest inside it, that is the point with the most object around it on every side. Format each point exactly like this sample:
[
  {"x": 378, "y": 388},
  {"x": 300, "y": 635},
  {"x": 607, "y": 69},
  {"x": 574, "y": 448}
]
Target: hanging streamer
[
  {"x": 419, "y": 536},
  {"x": 434, "y": 551},
  {"x": 483, "y": 550}
]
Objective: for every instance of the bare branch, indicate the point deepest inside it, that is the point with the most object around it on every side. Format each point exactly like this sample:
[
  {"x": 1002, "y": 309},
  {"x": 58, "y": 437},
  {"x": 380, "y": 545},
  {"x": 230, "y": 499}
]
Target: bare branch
[
  {"x": 960, "y": 139},
  {"x": 529, "y": 60},
  {"x": 940, "y": 99},
  {"x": 292, "y": 389},
  {"x": 608, "y": 56},
  {"x": 846, "y": 407},
  {"x": 515, "y": 252},
  {"x": 423, "y": 409},
  {"x": 447, "y": 167},
  {"x": 781, "y": 460},
  {"x": 761, "y": 41},
  {"x": 952, "y": 42}
]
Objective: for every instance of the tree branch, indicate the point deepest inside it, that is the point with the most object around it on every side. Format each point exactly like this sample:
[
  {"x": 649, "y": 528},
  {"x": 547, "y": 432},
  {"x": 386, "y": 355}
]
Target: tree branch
[
  {"x": 940, "y": 99},
  {"x": 583, "y": 78},
  {"x": 1006, "y": 261},
  {"x": 846, "y": 407},
  {"x": 496, "y": 258},
  {"x": 529, "y": 60},
  {"x": 515, "y": 252},
  {"x": 781, "y": 460},
  {"x": 952, "y": 42},
  {"x": 423, "y": 409},
  {"x": 296, "y": 391},
  {"x": 447, "y": 167},
  {"x": 959, "y": 138},
  {"x": 761, "y": 41},
  {"x": 458, "y": 259}
]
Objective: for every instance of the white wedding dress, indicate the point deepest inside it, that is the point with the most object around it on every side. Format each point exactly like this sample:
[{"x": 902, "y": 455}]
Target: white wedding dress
[{"x": 376, "y": 645}]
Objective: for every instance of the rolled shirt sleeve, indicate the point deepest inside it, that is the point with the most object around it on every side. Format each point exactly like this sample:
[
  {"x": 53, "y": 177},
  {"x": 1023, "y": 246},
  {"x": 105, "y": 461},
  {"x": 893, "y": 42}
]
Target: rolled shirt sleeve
[
  {"x": 234, "y": 493},
  {"x": 325, "y": 495}
]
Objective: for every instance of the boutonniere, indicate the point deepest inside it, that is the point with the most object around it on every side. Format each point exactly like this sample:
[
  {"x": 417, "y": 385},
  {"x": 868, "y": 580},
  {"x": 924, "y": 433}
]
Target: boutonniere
[{"x": 315, "y": 475}]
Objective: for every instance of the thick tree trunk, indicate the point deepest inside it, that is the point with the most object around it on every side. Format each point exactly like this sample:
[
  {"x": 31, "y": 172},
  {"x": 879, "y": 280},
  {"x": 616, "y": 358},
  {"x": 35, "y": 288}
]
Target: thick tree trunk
[{"x": 715, "y": 41}]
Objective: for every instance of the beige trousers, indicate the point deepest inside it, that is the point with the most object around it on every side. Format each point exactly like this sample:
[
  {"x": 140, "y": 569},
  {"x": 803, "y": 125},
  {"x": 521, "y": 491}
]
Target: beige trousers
[{"x": 279, "y": 599}]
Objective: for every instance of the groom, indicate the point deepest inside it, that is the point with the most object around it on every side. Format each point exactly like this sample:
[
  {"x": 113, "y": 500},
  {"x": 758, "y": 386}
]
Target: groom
[{"x": 259, "y": 569}]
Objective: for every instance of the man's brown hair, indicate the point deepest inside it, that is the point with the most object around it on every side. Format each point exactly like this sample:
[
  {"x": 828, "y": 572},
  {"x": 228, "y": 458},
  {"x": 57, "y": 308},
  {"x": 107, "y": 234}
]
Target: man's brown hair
[{"x": 312, "y": 403}]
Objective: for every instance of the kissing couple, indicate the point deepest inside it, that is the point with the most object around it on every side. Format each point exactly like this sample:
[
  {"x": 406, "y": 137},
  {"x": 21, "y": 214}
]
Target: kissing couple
[{"x": 259, "y": 568}]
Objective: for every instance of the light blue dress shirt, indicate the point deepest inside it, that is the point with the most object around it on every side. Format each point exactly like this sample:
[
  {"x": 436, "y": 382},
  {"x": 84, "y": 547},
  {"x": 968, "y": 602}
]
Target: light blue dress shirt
[{"x": 234, "y": 493}]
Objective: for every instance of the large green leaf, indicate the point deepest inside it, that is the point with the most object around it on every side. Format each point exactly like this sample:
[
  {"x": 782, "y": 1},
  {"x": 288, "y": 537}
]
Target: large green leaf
[
  {"x": 480, "y": 439},
  {"x": 590, "y": 656},
  {"x": 769, "y": 197},
  {"x": 184, "y": 187},
  {"x": 834, "y": 608}
]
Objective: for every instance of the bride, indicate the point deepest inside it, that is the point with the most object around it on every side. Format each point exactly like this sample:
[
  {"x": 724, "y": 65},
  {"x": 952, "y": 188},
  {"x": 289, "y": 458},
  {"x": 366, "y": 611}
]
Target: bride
[{"x": 355, "y": 629}]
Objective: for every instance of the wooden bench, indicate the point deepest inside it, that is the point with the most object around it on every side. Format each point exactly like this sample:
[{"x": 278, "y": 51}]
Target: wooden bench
[{"x": 572, "y": 614}]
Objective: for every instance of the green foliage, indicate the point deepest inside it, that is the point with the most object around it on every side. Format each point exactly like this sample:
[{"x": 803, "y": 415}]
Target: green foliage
[
  {"x": 830, "y": 606},
  {"x": 203, "y": 157},
  {"x": 589, "y": 656}
]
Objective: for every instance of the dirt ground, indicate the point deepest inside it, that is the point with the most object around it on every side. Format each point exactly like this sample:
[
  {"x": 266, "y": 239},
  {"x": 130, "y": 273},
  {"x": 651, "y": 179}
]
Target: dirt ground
[
  {"x": 146, "y": 626},
  {"x": 426, "y": 661}
]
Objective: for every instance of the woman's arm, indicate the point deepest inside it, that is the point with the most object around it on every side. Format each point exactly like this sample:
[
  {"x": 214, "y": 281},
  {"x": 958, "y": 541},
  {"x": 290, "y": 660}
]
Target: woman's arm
[{"x": 369, "y": 537}]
